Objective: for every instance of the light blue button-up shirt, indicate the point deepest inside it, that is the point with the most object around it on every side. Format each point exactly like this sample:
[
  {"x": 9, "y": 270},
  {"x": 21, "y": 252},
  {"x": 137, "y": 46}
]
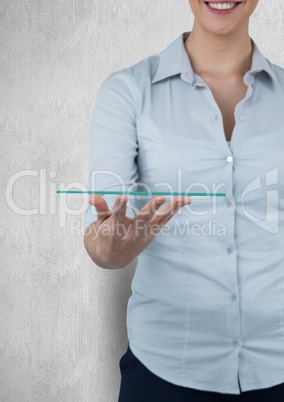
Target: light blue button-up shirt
[{"x": 207, "y": 303}]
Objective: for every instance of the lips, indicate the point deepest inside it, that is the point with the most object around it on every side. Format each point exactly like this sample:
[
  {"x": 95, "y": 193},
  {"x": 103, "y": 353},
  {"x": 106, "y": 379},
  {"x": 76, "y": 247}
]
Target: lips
[{"x": 222, "y": 7}]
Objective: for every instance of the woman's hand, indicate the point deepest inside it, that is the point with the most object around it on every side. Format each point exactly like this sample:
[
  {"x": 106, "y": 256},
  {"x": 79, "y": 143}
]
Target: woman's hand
[{"x": 115, "y": 239}]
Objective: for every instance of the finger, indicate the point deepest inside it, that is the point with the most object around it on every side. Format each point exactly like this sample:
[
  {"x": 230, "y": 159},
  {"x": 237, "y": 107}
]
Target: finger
[
  {"x": 119, "y": 208},
  {"x": 165, "y": 213},
  {"x": 148, "y": 211},
  {"x": 101, "y": 206}
]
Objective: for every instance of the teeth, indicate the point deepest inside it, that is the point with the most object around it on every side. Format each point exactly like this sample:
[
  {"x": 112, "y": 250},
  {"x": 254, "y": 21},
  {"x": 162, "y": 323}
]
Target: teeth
[{"x": 222, "y": 6}]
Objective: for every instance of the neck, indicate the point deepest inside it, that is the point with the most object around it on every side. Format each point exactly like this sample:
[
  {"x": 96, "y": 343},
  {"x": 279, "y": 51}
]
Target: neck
[{"x": 219, "y": 55}]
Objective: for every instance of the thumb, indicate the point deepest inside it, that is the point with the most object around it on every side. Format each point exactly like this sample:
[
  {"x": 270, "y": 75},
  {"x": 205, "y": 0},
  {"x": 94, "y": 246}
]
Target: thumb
[{"x": 101, "y": 206}]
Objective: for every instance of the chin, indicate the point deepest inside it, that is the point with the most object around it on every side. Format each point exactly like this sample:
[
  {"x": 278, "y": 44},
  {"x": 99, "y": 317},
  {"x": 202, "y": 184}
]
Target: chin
[{"x": 222, "y": 29}]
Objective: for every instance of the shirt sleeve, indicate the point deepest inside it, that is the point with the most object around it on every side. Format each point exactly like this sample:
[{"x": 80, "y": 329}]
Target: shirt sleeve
[{"x": 113, "y": 141}]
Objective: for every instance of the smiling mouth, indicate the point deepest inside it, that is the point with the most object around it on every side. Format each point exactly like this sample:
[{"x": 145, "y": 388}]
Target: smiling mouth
[{"x": 222, "y": 6}]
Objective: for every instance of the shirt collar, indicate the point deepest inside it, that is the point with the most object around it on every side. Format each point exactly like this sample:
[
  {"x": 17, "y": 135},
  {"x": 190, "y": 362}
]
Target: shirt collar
[
  {"x": 174, "y": 60},
  {"x": 260, "y": 63}
]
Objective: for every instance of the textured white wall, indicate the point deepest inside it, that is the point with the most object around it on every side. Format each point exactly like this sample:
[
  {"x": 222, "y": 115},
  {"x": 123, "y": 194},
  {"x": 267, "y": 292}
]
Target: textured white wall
[{"x": 62, "y": 318}]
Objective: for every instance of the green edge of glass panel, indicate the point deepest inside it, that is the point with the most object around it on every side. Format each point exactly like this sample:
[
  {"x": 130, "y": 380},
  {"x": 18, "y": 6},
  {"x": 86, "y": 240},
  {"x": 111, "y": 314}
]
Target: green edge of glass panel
[{"x": 143, "y": 193}]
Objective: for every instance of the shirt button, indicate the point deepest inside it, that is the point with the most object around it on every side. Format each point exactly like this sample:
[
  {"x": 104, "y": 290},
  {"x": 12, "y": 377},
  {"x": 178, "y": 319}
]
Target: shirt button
[
  {"x": 242, "y": 119},
  {"x": 229, "y": 250},
  {"x": 234, "y": 298},
  {"x": 235, "y": 344},
  {"x": 229, "y": 203},
  {"x": 229, "y": 159}
]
